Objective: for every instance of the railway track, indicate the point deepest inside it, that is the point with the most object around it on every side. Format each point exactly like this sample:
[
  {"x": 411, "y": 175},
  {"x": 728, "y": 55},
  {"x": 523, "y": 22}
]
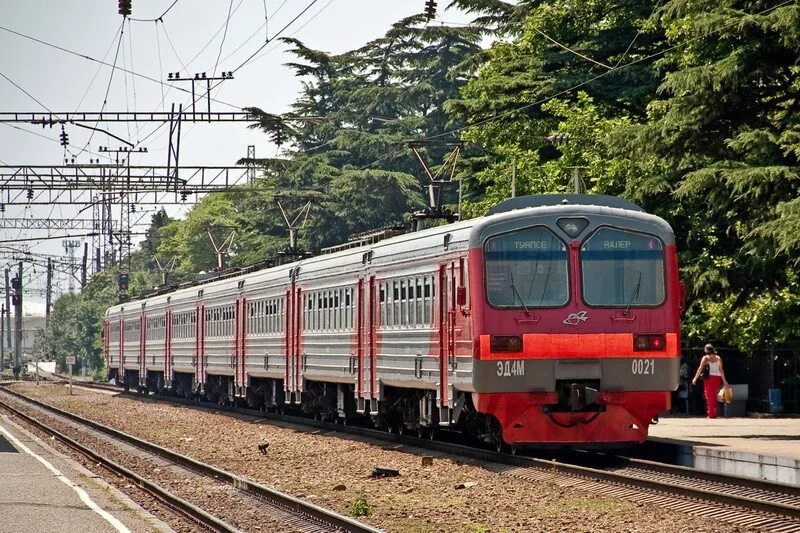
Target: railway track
[
  {"x": 291, "y": 513},
  {"x": 747, "y": 502}
]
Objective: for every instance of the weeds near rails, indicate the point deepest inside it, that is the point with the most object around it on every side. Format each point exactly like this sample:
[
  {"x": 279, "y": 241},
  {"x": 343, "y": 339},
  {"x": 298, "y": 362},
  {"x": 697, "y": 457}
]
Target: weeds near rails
[{"x": 360, "y": 506}]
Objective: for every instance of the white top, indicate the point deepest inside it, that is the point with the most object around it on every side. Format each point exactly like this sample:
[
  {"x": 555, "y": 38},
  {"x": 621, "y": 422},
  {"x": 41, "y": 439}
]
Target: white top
[{"x": 713, "y": 369}]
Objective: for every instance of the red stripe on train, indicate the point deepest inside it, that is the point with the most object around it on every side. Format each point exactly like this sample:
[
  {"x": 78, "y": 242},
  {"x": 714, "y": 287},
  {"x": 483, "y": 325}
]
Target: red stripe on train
[{"x": 577, "y": 346}]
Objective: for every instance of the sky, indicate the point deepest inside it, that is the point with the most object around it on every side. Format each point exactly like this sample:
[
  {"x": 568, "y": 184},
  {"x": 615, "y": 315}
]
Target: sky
[{"x": 188, "y": 39}]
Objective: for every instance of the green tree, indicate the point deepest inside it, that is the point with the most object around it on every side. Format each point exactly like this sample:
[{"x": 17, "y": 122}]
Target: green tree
[
  {"x": 76, "y": 322},
  {"x": 724, "y": 133},
  {"x": 509, "y": 107}
]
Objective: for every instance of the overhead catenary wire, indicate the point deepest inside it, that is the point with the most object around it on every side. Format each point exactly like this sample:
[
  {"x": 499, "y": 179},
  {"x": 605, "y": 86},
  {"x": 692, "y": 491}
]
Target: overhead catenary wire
[
  {"x": 635, "y": 37},
  {"x": 303, "y": 25},
  {"x": 185, "y": 67},
  {"x": 133, "y": 78},
  {"x": 222, "y": 42},
  {"x": 588, "y": 80},
  {"x": 108, "y": 86},
  {"x": 41, "y": 104},
  {"x": 188, "y": 91},
  {"x": 125, "y": 91},
  {"x": 172, "y": 47},
  {"x": 95, "y": 60},
  {"x": 257, "y": 30},
  {"x": 251, "y": 56},
  {"x": 266, "y": 22},
  {"x": 157, "y": 18},
  {"x": 97, "y": 72},
  {"x": 207, "y": 92},
  {"x": 570, "y": 50},
  {"x": 214, "y": 36},
  {"x": 160, "y": 65},
  {"x": 12, "y": 82}
]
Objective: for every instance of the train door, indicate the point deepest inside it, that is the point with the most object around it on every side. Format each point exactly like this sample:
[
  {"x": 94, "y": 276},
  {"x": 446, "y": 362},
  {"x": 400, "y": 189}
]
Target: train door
[
  {"x": 293, "y": 381},
  {"x": 240, "y": 346},
  {"x": 121, "y": 368},
  {"x": 200, "y": 347},
  {"x": 168, "y": 348},
  {"x": 143, "y": 348},
  {"x": 367, "y": 357},
  {"x": 448, "y": 275},
  {"x": 288, "y": 369}
]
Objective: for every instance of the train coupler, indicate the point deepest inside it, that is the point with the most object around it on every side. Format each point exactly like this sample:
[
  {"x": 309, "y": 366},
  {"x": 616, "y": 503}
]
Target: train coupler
[{"x": 581, "y": 397}]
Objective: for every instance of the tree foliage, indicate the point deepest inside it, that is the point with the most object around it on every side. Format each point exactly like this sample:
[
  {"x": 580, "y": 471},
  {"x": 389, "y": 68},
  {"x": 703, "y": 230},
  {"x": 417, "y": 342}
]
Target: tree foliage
[{"x": 689, "y": 108}]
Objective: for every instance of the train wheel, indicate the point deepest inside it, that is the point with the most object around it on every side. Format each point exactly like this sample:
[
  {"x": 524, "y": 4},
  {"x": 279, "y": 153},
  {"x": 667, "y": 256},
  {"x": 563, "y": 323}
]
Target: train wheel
[
  {"x": 433, "y": 432},
  {"x": 497, "y": 440}
]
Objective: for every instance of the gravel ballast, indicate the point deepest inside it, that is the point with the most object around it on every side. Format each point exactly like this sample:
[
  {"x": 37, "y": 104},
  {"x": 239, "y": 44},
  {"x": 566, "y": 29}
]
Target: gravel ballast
[{"x": 333, "y": 471}]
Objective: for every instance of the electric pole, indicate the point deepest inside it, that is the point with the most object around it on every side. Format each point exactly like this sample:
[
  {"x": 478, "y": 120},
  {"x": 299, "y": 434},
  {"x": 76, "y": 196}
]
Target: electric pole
[
  {"x": 83, "y": 265},
  {"x": 16, "y": 282},
  {"x": 69, "y": 247},
  {"x": 2, "y": 338},
  {"x": 48, "y": 295},
  {"x": 7, "y": 340}
]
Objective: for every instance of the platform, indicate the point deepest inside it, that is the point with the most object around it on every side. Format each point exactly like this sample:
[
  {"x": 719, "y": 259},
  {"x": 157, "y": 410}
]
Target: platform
[
  {"x": 764, "y": 448},
  {"x": 44, "y": 490}
]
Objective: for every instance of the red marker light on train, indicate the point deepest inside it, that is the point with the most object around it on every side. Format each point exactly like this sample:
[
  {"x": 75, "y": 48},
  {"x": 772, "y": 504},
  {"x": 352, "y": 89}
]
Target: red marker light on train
[
  {"x": 506, "y": 343},
  {"x": 649, "y": 343}
]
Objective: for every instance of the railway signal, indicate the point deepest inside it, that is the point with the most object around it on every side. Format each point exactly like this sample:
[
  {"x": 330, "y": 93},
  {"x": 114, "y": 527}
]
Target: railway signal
[
  {"x": 16, "y": 296},
  {"x": 122, "y": 286}
]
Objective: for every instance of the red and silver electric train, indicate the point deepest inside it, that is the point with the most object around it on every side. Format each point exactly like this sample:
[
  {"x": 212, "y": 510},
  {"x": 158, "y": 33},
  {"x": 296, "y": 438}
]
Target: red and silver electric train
[{"x": 552, "y": 320}]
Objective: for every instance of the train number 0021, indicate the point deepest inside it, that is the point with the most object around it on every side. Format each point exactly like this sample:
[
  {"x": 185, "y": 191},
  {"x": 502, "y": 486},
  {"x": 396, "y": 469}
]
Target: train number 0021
[{"x": 643, "y": 366}]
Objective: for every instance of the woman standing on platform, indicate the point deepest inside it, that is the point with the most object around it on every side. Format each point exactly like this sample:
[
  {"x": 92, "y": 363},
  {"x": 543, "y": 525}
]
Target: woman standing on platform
[{"x": 713, "y": 382}]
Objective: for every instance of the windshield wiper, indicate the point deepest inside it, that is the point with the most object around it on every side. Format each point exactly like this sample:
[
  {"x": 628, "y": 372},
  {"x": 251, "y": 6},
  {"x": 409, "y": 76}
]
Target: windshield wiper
[
  {"x": 634, "y": 294},
  {"x": 516, "y": 293}
]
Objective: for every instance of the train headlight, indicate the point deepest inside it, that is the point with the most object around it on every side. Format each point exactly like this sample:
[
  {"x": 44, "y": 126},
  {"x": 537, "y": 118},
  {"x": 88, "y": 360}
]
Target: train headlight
[
  {"x": 506, "y": 343},
  {"x": 649, "y": 343},
  {"x": 572, "y": 226}
]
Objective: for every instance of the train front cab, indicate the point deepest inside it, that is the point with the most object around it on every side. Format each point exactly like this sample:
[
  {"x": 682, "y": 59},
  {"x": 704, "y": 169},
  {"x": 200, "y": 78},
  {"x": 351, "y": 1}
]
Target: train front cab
[{"x": 577, "y": 322}]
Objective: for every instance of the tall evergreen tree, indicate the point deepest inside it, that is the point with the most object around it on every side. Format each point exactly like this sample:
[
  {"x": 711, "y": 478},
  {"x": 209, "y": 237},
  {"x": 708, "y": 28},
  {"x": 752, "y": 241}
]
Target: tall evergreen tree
[{"x": 725, "y": 135}]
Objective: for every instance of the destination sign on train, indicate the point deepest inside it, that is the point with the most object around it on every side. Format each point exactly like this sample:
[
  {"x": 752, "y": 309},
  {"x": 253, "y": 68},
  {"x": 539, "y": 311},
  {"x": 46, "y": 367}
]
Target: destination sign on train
[
  {"x": 616, "y": 244},
  {"x": 531, "y": 245}
]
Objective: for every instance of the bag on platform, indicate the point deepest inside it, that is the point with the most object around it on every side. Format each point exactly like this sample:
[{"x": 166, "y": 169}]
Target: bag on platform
[
  {"x": 705, "y": 372},
  {"x": 725, "y": 394}
]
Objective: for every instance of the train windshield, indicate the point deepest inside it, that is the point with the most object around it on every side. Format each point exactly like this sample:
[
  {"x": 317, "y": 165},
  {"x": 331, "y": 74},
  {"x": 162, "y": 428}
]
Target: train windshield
[
  {"x": 526, "y": 268},
  {"x": 622, "y": 269}
]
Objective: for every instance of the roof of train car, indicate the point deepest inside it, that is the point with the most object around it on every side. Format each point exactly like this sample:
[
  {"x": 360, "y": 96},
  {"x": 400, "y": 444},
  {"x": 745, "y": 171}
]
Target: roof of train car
[
  {"x": 507, "y": 210},
  {"x": 557, "y": 209}
]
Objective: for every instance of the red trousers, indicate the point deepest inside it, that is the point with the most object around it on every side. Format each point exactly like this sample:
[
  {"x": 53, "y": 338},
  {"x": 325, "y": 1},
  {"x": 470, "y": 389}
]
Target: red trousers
[{"x": 711, "y": 386}]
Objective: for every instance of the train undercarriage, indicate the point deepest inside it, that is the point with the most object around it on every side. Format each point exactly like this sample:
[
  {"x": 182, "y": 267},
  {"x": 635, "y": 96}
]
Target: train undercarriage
[{"x": 575, "y": 418}]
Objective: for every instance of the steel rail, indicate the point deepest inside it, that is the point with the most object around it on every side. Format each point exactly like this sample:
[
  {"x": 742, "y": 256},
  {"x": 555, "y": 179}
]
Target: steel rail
[
  {"x": 325, "y": 517},
  {"x": 740, "y": 482},
  {"x": 720, "y": 496},
  {"x": 174, "y": 502}
]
